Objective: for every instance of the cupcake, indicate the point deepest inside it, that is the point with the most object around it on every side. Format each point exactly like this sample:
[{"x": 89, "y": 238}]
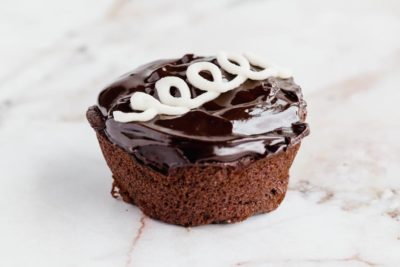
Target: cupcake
[{"x": 199, "y": 140}]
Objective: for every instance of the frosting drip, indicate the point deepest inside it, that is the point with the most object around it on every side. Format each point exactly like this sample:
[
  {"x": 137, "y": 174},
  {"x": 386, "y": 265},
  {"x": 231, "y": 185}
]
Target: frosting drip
[{"x": 256, "y": 119}]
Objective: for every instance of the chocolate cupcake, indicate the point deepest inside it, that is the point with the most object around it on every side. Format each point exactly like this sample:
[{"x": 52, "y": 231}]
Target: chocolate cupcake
[{"x": 200, "y": 140}]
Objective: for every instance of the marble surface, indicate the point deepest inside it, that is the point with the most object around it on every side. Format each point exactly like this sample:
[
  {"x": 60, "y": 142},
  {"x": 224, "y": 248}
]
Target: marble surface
[{"x": 343, "y": 204}]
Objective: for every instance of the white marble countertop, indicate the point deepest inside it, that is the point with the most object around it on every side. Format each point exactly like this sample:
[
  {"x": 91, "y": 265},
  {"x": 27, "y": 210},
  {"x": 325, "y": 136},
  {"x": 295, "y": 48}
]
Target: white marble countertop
[{"x": 343, "y": 204}]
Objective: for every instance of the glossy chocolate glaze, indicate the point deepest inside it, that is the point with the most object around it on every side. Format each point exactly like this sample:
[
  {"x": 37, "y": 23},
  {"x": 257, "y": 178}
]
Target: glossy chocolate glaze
[{"x": 257, "y": 119}]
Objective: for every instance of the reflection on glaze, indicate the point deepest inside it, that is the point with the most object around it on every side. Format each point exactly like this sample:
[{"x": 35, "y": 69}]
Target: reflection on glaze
[
  {"x": 264, "y": 120},
  {"x": 271, "y": 112},
  {"x": 256, "y": 146}
]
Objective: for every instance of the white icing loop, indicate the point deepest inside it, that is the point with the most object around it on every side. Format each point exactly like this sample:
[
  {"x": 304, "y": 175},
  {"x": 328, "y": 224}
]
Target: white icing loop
[
  {"x": 133, "y": 116},
  {"x": 164, "y": 85},
  {"x": 150, "y": 106},
  {"x": 237, "y": 64},
  {"x": 217, "y": 84},
  {"x": 276, "y": 71},
  {"x": 225, "y": 59}
]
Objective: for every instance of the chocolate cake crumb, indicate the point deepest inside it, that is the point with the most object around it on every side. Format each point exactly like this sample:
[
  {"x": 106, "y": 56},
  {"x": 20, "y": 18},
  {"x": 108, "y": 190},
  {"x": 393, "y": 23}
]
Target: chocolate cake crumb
[{"x": 197, "y": 195}]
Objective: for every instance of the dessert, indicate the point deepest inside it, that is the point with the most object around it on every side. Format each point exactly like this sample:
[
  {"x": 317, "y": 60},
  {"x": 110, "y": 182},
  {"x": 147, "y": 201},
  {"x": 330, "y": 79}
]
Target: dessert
[{"x": 200, "y": 140}]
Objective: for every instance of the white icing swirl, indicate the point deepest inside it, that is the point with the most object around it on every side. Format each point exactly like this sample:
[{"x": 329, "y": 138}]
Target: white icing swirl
[{"x": 171, "y": 105}]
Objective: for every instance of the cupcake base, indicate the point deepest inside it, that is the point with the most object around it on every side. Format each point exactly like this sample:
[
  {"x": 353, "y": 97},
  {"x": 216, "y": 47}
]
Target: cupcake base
[{"x": 201, "y": 194}]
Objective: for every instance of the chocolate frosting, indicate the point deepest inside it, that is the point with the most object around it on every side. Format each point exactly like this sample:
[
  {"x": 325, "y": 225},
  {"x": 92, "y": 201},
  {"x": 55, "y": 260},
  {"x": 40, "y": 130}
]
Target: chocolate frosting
[{"x": 258, "y": 119}]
